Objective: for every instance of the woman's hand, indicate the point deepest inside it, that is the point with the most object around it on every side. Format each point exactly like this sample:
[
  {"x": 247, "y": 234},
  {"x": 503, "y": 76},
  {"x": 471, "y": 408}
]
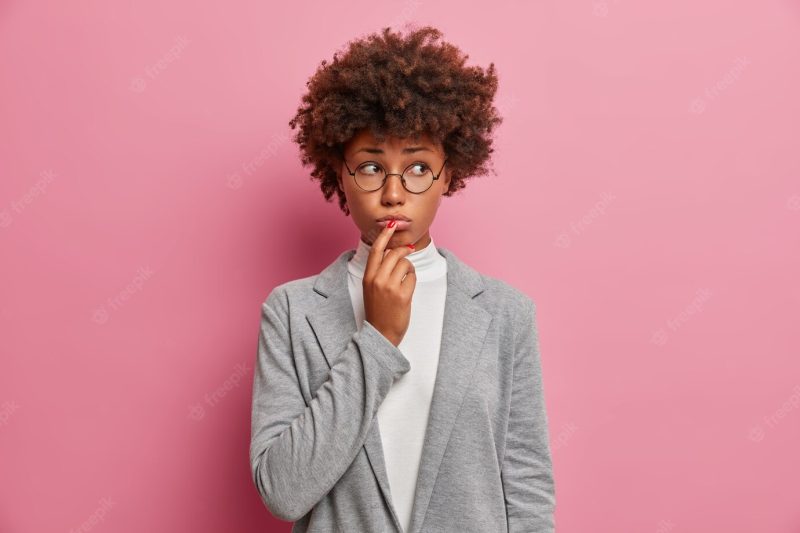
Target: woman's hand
[{"x": 389, "y": 281}]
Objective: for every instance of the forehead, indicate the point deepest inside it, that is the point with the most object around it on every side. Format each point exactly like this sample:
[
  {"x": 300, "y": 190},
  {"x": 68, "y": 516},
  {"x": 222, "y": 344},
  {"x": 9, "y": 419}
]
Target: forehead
[{"x": 365, "y": 138}]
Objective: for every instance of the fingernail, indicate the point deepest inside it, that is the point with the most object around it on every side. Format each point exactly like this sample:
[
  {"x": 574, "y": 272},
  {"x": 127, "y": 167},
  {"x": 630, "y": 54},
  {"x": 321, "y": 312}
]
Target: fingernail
[
  {"x": 410, "y": 246},
  {"x": 390, "y": 224}
]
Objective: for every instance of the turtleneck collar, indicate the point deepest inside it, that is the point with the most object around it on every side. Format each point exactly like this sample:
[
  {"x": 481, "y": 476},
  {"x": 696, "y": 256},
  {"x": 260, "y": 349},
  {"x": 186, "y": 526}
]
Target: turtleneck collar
[{"x": 428, "y": 263}]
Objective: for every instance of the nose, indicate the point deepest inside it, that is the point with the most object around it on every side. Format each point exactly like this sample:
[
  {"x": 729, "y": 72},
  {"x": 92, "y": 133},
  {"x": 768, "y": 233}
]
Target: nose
[{"x": 393, "y": 192}]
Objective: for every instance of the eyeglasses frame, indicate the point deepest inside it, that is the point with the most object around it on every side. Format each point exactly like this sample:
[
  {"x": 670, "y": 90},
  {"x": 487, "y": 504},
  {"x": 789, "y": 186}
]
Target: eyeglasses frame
[{"x": 387, "y": 174}]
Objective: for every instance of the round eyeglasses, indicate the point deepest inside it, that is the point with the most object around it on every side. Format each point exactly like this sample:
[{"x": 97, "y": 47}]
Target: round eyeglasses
[{"x": 416, "y": 178}]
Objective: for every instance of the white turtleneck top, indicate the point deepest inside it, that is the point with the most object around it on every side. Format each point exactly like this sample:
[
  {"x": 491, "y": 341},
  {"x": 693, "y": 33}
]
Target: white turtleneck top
[{"x": 403, "y": 414}]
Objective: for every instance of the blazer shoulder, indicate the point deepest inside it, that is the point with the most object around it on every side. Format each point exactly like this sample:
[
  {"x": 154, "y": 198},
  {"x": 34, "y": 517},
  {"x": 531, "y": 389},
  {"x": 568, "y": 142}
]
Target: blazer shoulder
[
  {"x": 503, "y": 297},
  {"x": 280, "y": 296}
]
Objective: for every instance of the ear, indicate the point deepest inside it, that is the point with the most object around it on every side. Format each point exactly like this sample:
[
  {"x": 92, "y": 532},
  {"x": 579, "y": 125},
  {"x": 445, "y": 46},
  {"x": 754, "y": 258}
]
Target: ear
[{"x": 446, "y": 182}]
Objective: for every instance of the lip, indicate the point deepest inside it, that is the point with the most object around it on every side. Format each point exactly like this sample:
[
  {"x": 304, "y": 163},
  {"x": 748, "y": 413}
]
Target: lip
[
  {"x": 401, "y": 224},
  {"x": 395, "y": 217}
]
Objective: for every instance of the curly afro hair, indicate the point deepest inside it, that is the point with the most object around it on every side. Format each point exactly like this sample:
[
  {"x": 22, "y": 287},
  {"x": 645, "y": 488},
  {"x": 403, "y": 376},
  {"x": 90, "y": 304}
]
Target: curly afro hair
[{"x": 399, "y": 86}]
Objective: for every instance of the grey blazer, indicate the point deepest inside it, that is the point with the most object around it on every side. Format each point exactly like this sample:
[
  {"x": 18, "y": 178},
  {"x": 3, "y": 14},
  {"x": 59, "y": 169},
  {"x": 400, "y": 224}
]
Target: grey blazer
[{"x": 316, "y": 455}]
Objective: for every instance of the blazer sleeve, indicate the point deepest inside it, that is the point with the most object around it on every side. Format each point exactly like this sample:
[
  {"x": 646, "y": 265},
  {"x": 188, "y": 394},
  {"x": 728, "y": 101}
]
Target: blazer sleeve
[
  {"x": 527, "y": 472},
  {"x": 299, "y": 450}
]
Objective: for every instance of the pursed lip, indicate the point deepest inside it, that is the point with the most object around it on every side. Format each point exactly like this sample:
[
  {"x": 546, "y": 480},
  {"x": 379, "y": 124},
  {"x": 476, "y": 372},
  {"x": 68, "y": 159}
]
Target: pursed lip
[{"x": 394, "y": 217}]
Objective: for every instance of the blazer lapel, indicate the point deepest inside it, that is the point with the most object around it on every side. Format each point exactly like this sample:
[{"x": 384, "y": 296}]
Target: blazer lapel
[
  {"x": 334, "y": 323},
  {"x": 463, "y": 331},
  {"x": 465, "y": 326}
]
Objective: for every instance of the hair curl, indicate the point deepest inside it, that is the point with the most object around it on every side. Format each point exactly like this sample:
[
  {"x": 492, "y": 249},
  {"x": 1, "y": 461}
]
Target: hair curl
[{"x": 400, "y": 86}]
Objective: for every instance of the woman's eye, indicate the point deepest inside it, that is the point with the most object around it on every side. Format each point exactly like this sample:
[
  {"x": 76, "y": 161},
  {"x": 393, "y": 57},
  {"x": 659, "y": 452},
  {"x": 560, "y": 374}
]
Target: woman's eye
[
  {"x": 418, "y": 168},
  {"x": 370, "y": 168}
]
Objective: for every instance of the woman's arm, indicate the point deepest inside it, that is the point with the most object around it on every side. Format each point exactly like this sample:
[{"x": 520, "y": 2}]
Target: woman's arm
[
  {"x": 527, "y": 468},
  {"x": 298, "y": 451}
]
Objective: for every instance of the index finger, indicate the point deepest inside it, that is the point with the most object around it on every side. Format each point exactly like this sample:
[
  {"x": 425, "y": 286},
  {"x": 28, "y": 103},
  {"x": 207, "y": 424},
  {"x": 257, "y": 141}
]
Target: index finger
[{"x": 376, "y": 252}]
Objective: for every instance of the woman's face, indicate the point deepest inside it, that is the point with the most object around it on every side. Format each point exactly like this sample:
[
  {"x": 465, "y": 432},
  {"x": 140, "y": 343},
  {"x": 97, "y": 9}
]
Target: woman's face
[{"x": 394, "y": 155}]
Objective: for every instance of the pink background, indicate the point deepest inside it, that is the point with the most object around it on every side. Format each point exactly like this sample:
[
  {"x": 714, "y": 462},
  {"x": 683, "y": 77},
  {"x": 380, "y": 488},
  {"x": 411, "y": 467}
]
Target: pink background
[{"x": 646, "y": 197}]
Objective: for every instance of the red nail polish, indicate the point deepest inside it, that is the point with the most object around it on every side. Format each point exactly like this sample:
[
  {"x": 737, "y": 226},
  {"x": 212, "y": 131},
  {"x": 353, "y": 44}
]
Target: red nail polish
[
  {"x": 410, "y": 246},
  {"x": 391, "y": 224}
]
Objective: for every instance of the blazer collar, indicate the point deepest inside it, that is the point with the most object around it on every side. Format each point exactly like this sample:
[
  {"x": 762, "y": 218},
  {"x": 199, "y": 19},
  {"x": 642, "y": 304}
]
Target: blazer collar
[
  {"x": 467, "y": 279},
  {"x": 465, "y": 326}
]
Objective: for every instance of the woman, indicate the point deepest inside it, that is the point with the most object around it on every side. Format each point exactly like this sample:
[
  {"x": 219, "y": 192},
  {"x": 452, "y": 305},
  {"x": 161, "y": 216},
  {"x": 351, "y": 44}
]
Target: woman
[{"x": 400, "y": 389}]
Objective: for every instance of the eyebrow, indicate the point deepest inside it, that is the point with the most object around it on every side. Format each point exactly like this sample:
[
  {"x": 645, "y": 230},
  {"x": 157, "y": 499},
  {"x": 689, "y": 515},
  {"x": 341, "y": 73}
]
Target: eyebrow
[{"x": 409, "y": 150}]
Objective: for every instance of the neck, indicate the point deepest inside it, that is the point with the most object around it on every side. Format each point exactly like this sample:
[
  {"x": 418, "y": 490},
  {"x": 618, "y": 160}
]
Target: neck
[{"x": 428, "y": 263}]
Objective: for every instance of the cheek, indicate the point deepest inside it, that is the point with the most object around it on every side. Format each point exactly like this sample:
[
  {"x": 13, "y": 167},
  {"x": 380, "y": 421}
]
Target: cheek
[{"x": 431, "y": 206}]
